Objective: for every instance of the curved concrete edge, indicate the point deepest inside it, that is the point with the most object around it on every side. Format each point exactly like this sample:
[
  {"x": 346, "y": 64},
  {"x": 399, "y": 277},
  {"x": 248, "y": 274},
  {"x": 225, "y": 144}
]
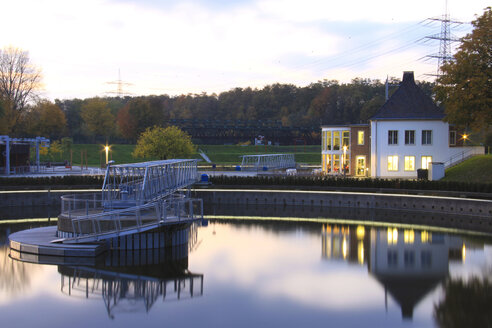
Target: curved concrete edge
[{"x": 38, "y": 242}]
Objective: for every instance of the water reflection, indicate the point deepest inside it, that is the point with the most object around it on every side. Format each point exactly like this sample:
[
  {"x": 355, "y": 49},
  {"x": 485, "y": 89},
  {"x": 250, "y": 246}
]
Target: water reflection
[
  {"x": 408, "y": 263},
  {"x": 132, "y": 281},
  {"x": 466, "y": 303}
]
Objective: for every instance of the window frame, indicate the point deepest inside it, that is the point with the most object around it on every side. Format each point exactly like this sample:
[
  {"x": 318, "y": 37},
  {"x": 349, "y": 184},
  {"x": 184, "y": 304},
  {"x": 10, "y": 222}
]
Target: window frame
[
  {"x": 405, "y": 158},
  {"x": 454, "y": 138},
  {"x": 393, "y": 163},
  {"x": 393, "y": 137},
  {"x": 359, "y": 134},
  {"x": 428, "y": 135},
  {"x": 426, "y": 163},
  {"x": 408, "y": 134}
]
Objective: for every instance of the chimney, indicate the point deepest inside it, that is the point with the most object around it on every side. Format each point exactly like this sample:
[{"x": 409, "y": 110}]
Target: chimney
[{"x": 408, "y": 77}]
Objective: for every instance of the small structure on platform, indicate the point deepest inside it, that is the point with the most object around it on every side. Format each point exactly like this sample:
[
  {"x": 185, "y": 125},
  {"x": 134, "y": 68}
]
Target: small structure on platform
[
  {"x": 267, "y": 162},
  {"x": 141, "y": 206},
  {"x": 15, "y": 154}
]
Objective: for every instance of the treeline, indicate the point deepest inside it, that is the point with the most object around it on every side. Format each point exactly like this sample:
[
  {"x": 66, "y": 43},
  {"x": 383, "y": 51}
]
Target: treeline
[{"x": 122, "y": 119}]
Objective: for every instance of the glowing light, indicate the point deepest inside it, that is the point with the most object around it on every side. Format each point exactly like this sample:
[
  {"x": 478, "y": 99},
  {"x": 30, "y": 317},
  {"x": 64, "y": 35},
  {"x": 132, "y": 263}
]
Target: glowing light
[
  {"x": 360, "y": 253},
  {"x": 465, "y": 136},
  {"x": 425, "y": 237},
  {"x": 408, "y": 236},
  {"x": 344, "y": 248},
  {"x": 392, "y": 236},
  {"x": 361, "y": 232},
  {"x": 107, "y": 149},
  {"x": 463, "y": 253}
]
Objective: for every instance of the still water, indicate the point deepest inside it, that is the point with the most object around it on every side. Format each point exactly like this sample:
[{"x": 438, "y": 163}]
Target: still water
[{"x": 262, "y": 274}]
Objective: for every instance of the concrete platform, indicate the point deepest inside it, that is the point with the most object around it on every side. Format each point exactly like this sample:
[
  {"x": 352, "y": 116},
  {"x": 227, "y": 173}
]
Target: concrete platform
[{"x": 38, "y": 242}]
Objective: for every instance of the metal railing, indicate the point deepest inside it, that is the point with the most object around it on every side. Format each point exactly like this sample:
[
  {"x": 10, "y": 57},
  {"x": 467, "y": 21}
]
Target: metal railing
[
  {"x": 90, "y": 223},
  {"x": 463, "y": 155},
  {"x": 268, "y": 161}
]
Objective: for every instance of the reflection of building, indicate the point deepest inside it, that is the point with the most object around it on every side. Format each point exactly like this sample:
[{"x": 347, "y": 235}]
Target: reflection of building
[
  {"x": 132, "y": 281},
  {"x": 345, "y": 242},
  {"x": 408, "y": 263}
]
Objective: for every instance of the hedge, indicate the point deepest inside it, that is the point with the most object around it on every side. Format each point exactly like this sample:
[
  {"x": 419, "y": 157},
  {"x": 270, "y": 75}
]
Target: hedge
[{"x": 352, "y": 182}]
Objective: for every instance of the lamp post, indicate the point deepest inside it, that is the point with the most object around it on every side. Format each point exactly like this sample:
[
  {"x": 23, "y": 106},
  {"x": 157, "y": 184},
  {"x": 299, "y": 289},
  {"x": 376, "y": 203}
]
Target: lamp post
[{"x": 106, "y": 148}]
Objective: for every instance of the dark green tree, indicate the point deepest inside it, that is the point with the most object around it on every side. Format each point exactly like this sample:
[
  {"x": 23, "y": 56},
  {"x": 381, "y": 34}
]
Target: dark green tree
[{"x": 465, "y": 88}]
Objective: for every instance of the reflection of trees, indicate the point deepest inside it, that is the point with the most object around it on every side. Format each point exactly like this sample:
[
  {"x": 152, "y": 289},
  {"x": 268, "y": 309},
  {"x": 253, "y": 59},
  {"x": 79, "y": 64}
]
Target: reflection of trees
[
  {"x": 465, "y": 303},
  {"x": 15, "y": 276}
]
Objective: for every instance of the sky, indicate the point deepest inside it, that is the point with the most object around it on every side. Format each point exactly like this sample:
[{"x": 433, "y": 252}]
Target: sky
[{"x": 179, "y": 47}]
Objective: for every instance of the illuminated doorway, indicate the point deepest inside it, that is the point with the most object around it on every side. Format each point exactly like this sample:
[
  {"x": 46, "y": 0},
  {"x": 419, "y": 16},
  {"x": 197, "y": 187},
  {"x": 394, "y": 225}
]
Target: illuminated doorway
[{"x": 360, "y": 166}]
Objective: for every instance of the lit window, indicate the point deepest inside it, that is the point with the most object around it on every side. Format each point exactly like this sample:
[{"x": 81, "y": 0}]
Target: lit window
[
  {"x": 360, "y": 137},
  {"x": 426, "y": 137},
  {"x": 426, "y": 160},
  {"x": 409, "y": 137},
  {"x": 336, "y": 140},
  {"x": 393, "y": 137},
  {"x": 409, "y": 163},
  {"x": 328, "y": 140},
  {"x": 452, "y": 138},
  {"x": 393, "y": 163},
  {"x": 346, "y": 139}
]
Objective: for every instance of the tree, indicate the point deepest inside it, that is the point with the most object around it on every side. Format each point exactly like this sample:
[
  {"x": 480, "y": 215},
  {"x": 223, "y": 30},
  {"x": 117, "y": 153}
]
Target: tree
[
  {"x": 19, "y": 80},
  {"x": 97, "y": 117},
  {"x": 45, "y": 119},
  {"x": 164, "y": 143},
  {"x": 465, "y": 88}
]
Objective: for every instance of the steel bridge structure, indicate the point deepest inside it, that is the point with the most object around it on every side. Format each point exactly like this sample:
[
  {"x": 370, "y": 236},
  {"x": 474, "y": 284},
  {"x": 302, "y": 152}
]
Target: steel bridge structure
[
  {"x": 268, "y": 162},
  {"x": 135, "y": 198}
]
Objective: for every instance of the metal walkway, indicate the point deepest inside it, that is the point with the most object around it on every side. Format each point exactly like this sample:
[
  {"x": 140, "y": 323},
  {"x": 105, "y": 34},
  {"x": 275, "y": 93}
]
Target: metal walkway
[
  {"x": 268, "y": 162},
  {"x": 135, "y": 198}
]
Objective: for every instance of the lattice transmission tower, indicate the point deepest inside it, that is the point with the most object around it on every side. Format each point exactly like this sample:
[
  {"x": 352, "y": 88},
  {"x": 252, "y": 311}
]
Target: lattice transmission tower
[
  {"x": 120, "y": 86},
  {"x": 445, "y": 38}
]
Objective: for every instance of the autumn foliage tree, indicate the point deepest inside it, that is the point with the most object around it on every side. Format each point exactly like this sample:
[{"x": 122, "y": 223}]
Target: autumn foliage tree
[
  {"x": 19, "y": 81},
  {"x": 98, "y": 118},
  {"x": 164, "y": 143},
  {"x": 465, "y": 88},
  {"x": 45, "y": 119}
]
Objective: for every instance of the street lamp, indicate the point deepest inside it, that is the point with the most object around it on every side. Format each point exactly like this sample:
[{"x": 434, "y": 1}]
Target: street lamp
[
  {"x": 465, "y": 137},
  {"x": 106, "y": 148}
]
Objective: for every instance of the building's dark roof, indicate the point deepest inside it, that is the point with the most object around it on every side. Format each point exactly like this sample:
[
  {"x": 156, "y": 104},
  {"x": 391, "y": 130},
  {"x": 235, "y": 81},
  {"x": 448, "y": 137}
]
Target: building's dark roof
[{"x": 409, "y": 103}]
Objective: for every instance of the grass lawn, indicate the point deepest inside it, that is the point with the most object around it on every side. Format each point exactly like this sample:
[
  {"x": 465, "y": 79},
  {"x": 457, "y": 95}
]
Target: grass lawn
[
  {"x": 218, "y": 154},
  {"x": 475, "y": 169}
]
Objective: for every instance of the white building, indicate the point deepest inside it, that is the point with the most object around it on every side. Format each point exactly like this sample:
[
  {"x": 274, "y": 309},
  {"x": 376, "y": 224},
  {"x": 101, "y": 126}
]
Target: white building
[{"x": 406, "y": 134}]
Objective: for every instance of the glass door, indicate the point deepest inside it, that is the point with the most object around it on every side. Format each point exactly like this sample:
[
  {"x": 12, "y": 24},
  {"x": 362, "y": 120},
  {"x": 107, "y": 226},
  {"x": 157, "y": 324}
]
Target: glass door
[{"x": 360, "y": 167}]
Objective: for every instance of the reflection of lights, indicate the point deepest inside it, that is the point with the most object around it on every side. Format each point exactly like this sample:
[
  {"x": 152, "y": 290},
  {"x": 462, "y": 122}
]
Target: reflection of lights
[
  {"x": 392, "y": 236},
  {"x": 425, "y": 237},
  {"x": 360, "y": 252},
  {"x": 361, "y": 231},
  {"x": 463, "y": 253},
  {"x": 344, "y": 248},
  {"x": 408, "y": 236}
]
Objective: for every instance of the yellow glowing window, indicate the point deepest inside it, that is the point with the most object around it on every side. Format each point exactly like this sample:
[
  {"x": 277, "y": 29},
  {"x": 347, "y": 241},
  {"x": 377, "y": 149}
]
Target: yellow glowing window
[
  {"x": 408, "y": 236},
  {"x": 393, "y": 163},
  {"x": 425, "y": 237},
  {"x": 360, "y": 137},
  {"x": 426, "y": 160},
  {"x": 409, "y": 163}
]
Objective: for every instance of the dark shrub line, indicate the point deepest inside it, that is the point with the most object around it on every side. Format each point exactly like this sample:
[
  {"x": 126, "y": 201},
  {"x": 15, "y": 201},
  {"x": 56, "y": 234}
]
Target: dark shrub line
[
  {"x": 69, "y": 180},
  {"x": 352, "y": 182}
]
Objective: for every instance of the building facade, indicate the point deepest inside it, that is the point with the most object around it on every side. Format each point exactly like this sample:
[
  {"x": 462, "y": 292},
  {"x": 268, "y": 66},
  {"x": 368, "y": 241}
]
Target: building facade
[{"x": 406, "y": 134}]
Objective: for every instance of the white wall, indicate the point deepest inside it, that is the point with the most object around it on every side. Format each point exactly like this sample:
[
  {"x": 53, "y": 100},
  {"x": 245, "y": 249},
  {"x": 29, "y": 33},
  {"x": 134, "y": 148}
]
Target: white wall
[{"x": 380, "y": 150}]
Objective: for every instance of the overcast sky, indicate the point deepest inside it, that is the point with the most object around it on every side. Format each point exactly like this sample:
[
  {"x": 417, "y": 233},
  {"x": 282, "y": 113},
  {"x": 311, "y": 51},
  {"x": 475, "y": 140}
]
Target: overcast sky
[{"x": 173, "y": 47}]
